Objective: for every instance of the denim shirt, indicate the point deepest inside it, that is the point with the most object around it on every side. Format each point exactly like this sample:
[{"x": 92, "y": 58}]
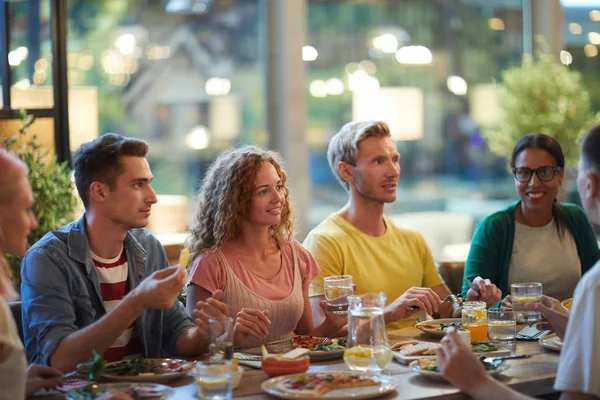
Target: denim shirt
[{"x": 61, "y": 292}]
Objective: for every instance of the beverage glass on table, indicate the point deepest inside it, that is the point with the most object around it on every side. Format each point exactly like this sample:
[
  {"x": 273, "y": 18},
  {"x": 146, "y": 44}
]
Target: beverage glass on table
[
  {"x": 502, "y": 325},
  {"x": 337, "y": 289},
  {"x": 367, "y": 348},
  {"x": 221, "y": 339},
  {"x": 213, "y": 379},
  {"x": 475, "y": 320},
  {"x": 522, "y": 294}
]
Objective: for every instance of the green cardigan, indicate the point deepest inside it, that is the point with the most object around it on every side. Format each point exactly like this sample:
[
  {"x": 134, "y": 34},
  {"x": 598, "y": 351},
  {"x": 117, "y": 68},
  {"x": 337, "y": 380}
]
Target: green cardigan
[{"x": 492, "y": 245}]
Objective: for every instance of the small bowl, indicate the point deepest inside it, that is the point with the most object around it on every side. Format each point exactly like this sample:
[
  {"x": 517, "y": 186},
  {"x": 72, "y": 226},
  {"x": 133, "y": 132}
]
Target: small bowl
[
  {"x": 279, "y": 366},
  {"x": 236, "y": 377},
  {"x": 567, "y": 304}
]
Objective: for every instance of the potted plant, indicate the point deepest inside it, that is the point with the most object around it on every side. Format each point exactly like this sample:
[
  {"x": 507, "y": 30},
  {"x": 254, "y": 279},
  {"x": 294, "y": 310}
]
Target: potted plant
[
  {"x": 51, "y": 183},
  {"x": 544, "y": 96}
]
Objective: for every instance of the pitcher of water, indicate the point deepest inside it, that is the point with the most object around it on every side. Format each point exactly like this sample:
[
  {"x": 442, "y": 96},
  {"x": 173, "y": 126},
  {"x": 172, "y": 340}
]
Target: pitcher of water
[{"x": 367, "y": 348}]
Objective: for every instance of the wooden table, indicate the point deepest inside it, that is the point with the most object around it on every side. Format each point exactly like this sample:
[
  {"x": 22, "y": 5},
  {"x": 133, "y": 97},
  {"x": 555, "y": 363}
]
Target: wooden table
[{"x": 533, "y": 376}]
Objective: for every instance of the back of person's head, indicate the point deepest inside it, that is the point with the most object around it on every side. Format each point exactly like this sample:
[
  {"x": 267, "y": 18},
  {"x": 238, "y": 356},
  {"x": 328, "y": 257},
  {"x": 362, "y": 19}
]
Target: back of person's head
[
  {"x": 538, "y": 141},
  {"x": 343, "y": 147},
  {"x": 99, "y": 161},
  {"x": 224, "y": 195},
  {"x": 590, "y": 150},
  {"x": 13, "y": 172}
]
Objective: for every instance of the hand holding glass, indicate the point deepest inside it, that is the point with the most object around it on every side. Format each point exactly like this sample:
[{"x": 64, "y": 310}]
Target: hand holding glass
[
  {"x": 337, "y": 289},
  {"x": 523, "y": 293}
]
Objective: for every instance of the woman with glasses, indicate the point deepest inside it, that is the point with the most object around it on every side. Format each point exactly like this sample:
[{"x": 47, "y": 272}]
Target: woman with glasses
[{"x": 536, "y": 239}]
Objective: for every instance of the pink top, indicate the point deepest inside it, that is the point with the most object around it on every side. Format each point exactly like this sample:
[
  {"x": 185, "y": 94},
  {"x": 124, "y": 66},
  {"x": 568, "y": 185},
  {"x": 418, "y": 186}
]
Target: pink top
[{"x": 209, "y": 272}]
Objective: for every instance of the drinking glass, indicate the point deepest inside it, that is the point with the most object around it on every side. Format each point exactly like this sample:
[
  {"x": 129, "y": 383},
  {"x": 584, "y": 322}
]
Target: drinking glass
[
  {"x": 522, "y": 294},
  {"x": 367, "y": 348},
  {"x": 502, "y": 325},
  {"x": 221, "y": 339},
  {"x": 213, "y": 379},
  {"x": 337, "y": 289},
  {"x": 474, "y": 319}
]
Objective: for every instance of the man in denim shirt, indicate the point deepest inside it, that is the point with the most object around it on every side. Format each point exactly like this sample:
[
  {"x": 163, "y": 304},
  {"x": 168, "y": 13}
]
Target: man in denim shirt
[{"x": 100, "y": 283}]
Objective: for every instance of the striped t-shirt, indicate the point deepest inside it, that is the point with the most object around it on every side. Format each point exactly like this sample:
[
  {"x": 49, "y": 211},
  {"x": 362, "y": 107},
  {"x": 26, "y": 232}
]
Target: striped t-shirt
[{"x": 114, "y": 286}]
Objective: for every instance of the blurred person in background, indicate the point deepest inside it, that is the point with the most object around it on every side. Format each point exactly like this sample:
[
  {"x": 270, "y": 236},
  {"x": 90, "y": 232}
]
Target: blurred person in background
[{"x": 16, "y": 221}]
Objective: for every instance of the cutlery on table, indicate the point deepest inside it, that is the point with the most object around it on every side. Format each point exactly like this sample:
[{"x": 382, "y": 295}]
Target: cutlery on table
[{"x": 449, "y": 299}]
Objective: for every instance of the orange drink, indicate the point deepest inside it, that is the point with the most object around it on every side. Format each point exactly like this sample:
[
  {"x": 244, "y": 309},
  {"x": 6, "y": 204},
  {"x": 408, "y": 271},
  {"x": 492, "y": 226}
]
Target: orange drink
[{"x": 479, "y": 332}]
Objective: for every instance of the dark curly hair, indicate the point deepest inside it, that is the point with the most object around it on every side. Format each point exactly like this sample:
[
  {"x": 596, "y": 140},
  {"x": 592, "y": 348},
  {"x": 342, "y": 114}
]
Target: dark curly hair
[{"x": 223, "y": 199}]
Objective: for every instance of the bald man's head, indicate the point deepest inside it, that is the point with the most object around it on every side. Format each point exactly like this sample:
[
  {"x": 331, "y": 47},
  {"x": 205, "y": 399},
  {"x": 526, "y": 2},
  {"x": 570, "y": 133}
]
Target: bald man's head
[{"x": 13, "y": 171}]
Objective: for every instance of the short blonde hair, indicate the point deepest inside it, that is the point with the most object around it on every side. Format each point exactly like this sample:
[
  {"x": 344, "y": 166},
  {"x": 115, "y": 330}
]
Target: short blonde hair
[{"x": 344, "y": 145}]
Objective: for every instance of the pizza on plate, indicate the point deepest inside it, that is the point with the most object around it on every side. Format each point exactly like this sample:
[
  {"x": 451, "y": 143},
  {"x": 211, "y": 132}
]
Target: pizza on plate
[
  {"x": 305, "y": 342},
  {"x": 415, "y": 348},
  {"x": 314, "y": 385}
]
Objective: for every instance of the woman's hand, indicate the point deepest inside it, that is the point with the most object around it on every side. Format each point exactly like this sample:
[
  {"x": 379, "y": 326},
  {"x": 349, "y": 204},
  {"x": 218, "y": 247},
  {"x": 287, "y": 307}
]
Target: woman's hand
[
  {"x": 251, "y": 322},
  {"x": 507, "y": 302},
  {"x": 39, "y": 377},
  {"x": 333, "y": 322},
  {"x": 555, "y": 317},
  {"x": 458, "y": 364},
  {"x": 487, "y": 292}
]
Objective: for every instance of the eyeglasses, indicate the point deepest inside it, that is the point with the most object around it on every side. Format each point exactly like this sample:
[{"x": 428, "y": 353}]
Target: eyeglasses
[{"x": 544, "y": 174}]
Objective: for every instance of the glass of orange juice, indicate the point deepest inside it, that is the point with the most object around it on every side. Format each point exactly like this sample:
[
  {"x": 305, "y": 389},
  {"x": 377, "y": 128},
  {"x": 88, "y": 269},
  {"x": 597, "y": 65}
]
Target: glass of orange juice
[{"x": 474, "y": 319}]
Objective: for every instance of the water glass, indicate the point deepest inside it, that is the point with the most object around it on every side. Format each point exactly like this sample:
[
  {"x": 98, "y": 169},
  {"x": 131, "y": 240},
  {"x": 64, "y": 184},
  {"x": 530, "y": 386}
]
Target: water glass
[
  {"x": 502, "y": 325},
  {"x": 214, "y": 380},
  {"x": 337, "y": 289},
  {"x": 221, "y": 339},
  {"x": 474, "y": 319},
  {"x": 522, "y": 294}
]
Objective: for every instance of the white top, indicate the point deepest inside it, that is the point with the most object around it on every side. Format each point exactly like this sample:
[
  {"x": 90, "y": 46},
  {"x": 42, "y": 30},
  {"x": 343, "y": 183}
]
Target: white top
[
  {"x": 540, "y": 255},
  {"x": 13, "y": 368},
  {"x": 579, "y": 366}
]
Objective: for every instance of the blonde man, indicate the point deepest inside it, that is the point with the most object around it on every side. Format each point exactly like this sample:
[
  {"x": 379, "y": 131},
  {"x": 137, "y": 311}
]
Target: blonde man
[{"x": 361, "y": 241}]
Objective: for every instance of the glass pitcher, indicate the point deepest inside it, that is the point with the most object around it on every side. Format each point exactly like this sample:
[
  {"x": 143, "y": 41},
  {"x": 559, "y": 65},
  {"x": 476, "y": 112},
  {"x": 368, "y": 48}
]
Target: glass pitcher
[{"x": 367, "y": 348}]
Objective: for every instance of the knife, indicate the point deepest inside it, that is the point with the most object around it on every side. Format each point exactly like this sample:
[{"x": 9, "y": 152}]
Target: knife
[
  {"x": 511, "y": 357},
  {"x": 472, "y": 285}
]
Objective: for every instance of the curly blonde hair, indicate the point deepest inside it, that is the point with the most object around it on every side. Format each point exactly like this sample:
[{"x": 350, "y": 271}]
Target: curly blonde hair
[{"x": 223, "y": 199}]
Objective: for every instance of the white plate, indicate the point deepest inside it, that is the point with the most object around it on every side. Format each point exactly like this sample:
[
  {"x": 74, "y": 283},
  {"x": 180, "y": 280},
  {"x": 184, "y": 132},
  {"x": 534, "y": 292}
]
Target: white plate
[
  {"x": 386, "y": 385},
  {"x": 438, "y": 377},
  {"x": 164, "y": 391},
  {"x": 150, "y": 377},
  {"x": 285, "y": 345},
  {"x": 435, "y": 333},
  {"x": 551, "y": 342}
]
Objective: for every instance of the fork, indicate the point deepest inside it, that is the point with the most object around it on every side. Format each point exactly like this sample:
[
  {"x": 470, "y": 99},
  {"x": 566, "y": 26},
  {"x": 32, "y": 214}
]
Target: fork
[{"x": 449, "y": 299}]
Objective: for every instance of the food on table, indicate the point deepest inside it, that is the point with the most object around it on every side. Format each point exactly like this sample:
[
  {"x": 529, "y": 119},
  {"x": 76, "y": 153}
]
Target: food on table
[
  {"x": 141, "y": 366},
  {"x": 414, "y": 348},
  {"x": 318, "y": 343},
  {"x": 275, "y": 365},
  {"x": 430, "y": 364},
  {"x": 184, "y": 257},
  {"x": 484, "y": 347},
  {"x": 318, "y": 384},
  {"x": 134, "y": 391},
  {"x": 439, "y": 327}
]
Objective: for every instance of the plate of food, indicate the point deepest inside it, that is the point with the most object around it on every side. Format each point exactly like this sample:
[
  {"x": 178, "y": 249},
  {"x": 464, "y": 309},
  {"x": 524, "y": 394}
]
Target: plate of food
[
  {"x": 153, "y": 391},
  {"x": 428, "y": 367},
  {"x": 408, "y": 351},
  {"x": 437, "y": 327},
  {"x": 567, "y": 304},
  {"x": 321, "y": 348},
  {"x": 330, "y": 386},
  {"x": 551, "y": 342},
  {"x": 146, "y": 369}
]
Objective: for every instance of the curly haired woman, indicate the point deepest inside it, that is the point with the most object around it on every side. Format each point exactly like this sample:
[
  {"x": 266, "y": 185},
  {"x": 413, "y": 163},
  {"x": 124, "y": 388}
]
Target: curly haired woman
[{"x": 242, "y": 243}]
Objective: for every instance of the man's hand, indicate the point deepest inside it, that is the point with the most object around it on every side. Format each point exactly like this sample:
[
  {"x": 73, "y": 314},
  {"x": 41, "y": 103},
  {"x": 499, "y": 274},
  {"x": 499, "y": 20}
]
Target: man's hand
[
  {"x": 423, "y": 298},
  {"x": 486, "y": 291},
  {"x": 39, "y": 377},
  {"x": 458, "y": 364},
  {"x": 251, "y": 322},
  {"x": 159, "y": 290},
  {"x": 555, "y": 317}
]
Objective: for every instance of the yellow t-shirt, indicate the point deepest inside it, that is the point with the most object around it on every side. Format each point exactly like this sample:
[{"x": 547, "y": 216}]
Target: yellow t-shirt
[{"x": 391, "y": 263}]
